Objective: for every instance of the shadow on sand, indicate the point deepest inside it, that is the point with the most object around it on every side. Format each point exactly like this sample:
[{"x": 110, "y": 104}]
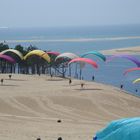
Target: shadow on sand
[
  {"x": 4, "y": 85},
  {"x": 54, "y": 79},
  {"x": 89, "y": 89},
  {"x": 15, "y": 79},
  {"x": 71, "y": 85}
]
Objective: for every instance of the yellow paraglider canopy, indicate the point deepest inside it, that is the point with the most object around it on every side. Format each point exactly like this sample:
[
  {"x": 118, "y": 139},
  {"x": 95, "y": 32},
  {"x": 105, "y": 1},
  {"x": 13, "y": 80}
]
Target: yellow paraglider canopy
[
  {"x": 18, "y": 53},
  {"x": 40, "y": 53},
  {"x": 136, "y": 81}
]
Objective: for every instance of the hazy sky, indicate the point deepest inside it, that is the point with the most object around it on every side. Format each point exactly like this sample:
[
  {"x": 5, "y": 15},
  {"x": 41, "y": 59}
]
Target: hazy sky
[{"x": 45, "y": 13}]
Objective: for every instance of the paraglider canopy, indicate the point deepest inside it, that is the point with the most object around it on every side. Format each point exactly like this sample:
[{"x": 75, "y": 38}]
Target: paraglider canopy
[
  {"x": 129, "y": 57},
  {"x": 95, "y": 53},
  {"x": 7, "y": 58},
  {"x": 39, "y": 53},
  {"x": 123, "y": 129},
  {"x": 18, "y": 53},
  {"x": 85, "y": 60},
  {"x": 136, "y": 80},
  {"x": 53, "y": 53},
  {"x": 130, "y": 70},
  {"x": 67, "y": 55}
]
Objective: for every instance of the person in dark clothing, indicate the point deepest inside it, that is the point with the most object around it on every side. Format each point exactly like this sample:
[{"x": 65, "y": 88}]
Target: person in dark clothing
[
  {"x": 121, "y": 86},
  {"x": 1, "y": 81},
  {"x": 70, "y": 81},
  {"x": 93, "y": 78},
  {"x": 82, "y": 85},
  {"x": 10, "y": 76},
  {"x": 95, "y": 138}
]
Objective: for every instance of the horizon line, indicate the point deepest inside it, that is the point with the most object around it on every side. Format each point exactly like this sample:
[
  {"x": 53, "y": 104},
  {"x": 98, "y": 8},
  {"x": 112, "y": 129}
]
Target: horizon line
[{"x": 69, "y": 26}]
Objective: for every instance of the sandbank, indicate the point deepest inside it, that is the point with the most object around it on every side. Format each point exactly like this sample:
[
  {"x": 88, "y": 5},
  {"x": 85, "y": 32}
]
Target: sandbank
[{"x": 129, "y": 50}]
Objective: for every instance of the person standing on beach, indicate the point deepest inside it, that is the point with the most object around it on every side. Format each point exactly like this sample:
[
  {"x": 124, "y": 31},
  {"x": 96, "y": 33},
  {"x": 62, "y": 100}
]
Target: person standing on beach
[
  {"x": 1, "y": 81},
  {"x": 70, "y": 81},
  {"x": 93, "y": 78},
  {"x": 10, "y": 76},
  {"x": 121, "y": 86},
  {"x": 82, "y": 85}
]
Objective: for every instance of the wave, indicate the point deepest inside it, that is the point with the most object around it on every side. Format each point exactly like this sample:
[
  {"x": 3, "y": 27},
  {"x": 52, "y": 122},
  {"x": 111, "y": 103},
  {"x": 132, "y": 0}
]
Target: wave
[{"x": 73, "y": 39}]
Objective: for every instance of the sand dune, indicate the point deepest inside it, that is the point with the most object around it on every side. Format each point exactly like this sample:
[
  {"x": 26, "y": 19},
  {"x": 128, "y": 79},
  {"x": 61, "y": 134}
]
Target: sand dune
[{"x": 31, "y": 105}]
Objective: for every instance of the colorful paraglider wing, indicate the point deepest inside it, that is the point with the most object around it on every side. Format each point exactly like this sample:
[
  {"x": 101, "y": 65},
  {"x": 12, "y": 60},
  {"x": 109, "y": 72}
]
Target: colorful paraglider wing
[
  {"x": 85, "y": 60},
  {"x": 95, "y": 53},
  {"x": 46, "y": 57},
  {"x": 67, "y": 55},
  {"x": 19, "y": 54},
  {"x": 53, "y": 53},
  {"x": 40, "y": 53},
  {"x": 7, "y": 58},
  {"x": 130, "y": 70},
  {"x": 124, "y": 129},
  {"x": 129, "y": 57},
  {"x": 136, "y": 81}
]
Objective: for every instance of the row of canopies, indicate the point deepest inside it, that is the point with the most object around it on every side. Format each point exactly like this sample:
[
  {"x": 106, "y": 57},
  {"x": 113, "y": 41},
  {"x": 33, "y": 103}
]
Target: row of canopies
[
  {"x": 51, "y": 57},
  {"x": 47, "y": 56}
]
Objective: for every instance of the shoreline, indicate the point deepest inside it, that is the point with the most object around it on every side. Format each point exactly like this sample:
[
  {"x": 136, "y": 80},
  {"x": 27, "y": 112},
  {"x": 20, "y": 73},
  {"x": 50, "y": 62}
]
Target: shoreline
[
  {"x": 72, "y": 39},
  {"x": 31, "y": 105}
]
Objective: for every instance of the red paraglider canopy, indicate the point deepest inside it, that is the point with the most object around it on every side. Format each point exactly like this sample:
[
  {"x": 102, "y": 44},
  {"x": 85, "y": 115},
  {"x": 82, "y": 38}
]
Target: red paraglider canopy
[
  {"x": 85, "y": 60},
  {"x": 53, "y": 53},
  {"x": 132, "y": 69}
]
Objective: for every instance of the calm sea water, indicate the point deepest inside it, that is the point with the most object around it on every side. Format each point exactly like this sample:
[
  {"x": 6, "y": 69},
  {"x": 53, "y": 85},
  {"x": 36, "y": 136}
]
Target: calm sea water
[{"x": 82, "y": 39}]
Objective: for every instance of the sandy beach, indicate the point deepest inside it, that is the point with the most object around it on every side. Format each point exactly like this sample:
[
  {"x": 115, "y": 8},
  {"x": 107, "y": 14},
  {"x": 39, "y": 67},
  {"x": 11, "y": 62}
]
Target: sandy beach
[
  {"x": 129, "y": 50},
  {"x": 30, "y": 107}
]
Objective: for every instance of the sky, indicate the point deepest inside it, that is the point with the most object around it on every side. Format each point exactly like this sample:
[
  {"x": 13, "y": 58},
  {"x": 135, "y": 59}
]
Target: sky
[{"x": 59, "y": 13}]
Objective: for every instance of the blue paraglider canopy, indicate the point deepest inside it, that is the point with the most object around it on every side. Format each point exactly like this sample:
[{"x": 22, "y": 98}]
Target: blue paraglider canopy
[{"x": 123, "y": 129}]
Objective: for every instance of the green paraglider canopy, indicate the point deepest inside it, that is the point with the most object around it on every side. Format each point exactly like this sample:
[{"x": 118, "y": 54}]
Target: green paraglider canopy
[{"x": 95, "y": 53}]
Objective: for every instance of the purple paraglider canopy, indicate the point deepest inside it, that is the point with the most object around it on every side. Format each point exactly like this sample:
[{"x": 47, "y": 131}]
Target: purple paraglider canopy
[
  {"x": 7, "y": 58},
  {"x": 129, "y": 57}
]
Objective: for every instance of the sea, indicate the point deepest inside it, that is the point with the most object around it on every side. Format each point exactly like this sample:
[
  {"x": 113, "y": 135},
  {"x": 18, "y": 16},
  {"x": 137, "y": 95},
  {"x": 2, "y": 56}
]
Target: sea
[{"x": 79, "y": 40}]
